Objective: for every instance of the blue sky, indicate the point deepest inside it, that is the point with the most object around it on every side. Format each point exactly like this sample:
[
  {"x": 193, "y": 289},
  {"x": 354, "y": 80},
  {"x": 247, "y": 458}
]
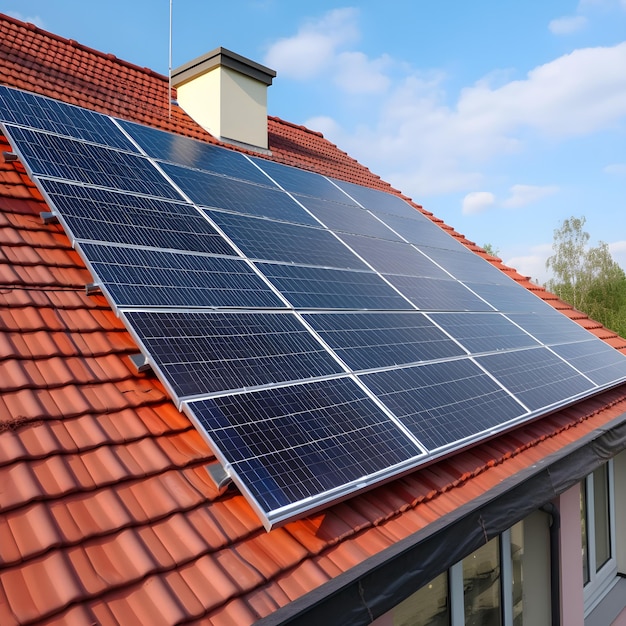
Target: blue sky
[{"x": 503, "y": 119}]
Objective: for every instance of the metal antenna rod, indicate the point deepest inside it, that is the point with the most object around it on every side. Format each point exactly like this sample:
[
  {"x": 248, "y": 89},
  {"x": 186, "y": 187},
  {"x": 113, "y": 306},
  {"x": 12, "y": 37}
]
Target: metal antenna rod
[{"x": 169, "y": 72}]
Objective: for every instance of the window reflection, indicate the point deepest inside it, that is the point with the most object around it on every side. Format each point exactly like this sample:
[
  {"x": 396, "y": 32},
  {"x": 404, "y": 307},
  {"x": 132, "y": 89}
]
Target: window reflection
[
  {"x": 481, "y": 584},
  {"x": 427, "y": 607}
]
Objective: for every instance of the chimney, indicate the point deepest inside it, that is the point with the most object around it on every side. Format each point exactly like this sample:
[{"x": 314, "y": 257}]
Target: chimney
[{"x": 227, "y": 95}]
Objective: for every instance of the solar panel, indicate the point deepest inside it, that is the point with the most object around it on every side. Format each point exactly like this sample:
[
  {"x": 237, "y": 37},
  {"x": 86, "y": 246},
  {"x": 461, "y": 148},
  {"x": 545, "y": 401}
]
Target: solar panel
[
  {"x": 467, "y": 266},
  {"x": 195, "y": 154},
  {"x": 346, "y": 218},
  {"x": 115, "y": 217},
  {"x": 72, "y": 160},
  {"x": 420, "y": 230},
  {"x": 594, "y": 358},
  {"x": 484, "y": 332},
  {"x": 302, "y": 182},
  {"x": 142, "y": 277},
  {"x": 279, "y": 241},
  {"x": 208, "y": 352},
  {"x": 444, "y": 403},
  {"x": 431, "y": 294},
  {"x": 26, "y": 109},
  {"x": 249, "y": 293},
  {"x": 209, "y": 190},
  {"x": 393, "y": 257},
  {"x": 378, "y": 200},
  {"x": 373, "y": 340},
  {"x": 537, "y": 377},
  {"x": 309, "y": 442},
  {"x": 323, "y": 288}
]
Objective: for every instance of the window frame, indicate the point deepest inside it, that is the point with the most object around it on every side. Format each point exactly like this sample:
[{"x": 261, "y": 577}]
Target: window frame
[{"x": 601, "y": 581}]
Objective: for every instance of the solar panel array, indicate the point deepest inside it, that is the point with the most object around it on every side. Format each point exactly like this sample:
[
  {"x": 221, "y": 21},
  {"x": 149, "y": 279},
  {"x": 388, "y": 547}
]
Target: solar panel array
[{"x": 323, "y": 337}]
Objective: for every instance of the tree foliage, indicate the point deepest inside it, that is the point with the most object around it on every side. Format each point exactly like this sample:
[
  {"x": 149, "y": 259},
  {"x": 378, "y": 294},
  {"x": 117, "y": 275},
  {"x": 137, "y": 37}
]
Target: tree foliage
[{"x": 587, "y": 277}]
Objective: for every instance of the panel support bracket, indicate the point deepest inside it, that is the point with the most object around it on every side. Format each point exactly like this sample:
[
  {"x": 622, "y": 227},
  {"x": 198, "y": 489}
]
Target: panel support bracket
[
  {"x": 140, "y": 362},
  {"x": 220, "y": 476}
]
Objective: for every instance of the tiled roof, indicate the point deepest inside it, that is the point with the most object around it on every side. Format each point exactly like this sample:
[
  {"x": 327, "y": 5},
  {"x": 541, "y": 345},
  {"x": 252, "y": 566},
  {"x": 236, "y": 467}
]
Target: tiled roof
[{"x": 107, "y": 512}]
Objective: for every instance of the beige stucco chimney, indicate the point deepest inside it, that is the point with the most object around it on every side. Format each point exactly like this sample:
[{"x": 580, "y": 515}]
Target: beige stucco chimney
[{"x": 227, "y": 95}]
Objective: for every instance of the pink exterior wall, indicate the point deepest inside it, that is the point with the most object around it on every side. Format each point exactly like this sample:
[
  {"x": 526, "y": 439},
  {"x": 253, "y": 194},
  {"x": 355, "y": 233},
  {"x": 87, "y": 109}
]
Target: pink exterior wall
[{"x": 572, "y": 602}]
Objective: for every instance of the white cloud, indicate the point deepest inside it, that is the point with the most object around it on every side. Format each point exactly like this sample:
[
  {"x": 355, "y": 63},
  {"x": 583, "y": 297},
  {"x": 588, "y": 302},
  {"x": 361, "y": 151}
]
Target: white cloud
[
  {"x": 357, "y": 74},
  {"x": 313, "y": 48},
  {"x": 323, "y": 124},
  {"x": 425, "y": 142},
  {"x": 532, "y": 265},
  {"x": 477, "y": 202},
  {"x": 521, "y": 195},
  {"x": 567, "y": 24},
  {"x": 618, "y": 252},
  {"x": 617, "y": 169},
  {"x": 32, "y": 19}
]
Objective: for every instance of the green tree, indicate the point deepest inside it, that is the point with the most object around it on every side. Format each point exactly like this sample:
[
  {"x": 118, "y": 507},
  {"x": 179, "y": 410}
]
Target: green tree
[
  {"x": 587, "y": 277},
  {"x": 491, "y": 249}
]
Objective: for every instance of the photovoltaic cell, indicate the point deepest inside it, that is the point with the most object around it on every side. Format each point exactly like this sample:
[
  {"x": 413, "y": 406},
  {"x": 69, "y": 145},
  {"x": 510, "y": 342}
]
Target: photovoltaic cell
[
  {"x": 59, "y": 157},
  {"x": 466, "y": 266},
  {"x": 302, "y": 182},
  {"x": 594, "y": 358},
  {"x": 419, "y": 230},
  {"x": 298, "y": 442},
  {"x": 206, "y": 352},
  {"x": 116, "y": 217},
  {"x": 376, "y": 200},
  {"x": 444, "y": 403},
  {"x": 322, "y": 288},
  {"x": 393, "y": 257},
  {"x": 508, "y": 297},
  {"x": 210, "y": 190},
  {"x": 431, "y": 294},
  {"x": 137, "y": 277},
  {"x": 484, "y": 332},
  {"x": 537, "y": 377},
  {"x": 27, "y": 109},
  {"x": 347, "y": 218},
  {"x": 372, "y": 340},
  {"x": 195, "y": 154},
  {"x": 278, "y": 241},
  {"x": 549, "y": 326}
]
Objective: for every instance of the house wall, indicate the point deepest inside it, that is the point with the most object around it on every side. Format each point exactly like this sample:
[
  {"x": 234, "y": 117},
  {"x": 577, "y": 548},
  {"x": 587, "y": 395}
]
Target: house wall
[{"x": 571, "y": 566}]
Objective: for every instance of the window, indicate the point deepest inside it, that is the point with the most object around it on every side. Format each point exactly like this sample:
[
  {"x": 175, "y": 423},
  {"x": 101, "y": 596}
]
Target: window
[
  {"x": 484, "y": 589},
  {"x": 598, "y": 532}
]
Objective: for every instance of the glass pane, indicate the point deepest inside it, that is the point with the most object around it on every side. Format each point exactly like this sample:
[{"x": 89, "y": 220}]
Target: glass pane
[
  {"x": 481, "y": 584},
  {"x": 517, "y": 559},
  {"x": 427, "y": 607},
  {"x": 601, "y": 515},
  {"x": 583, "y": 526}
]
